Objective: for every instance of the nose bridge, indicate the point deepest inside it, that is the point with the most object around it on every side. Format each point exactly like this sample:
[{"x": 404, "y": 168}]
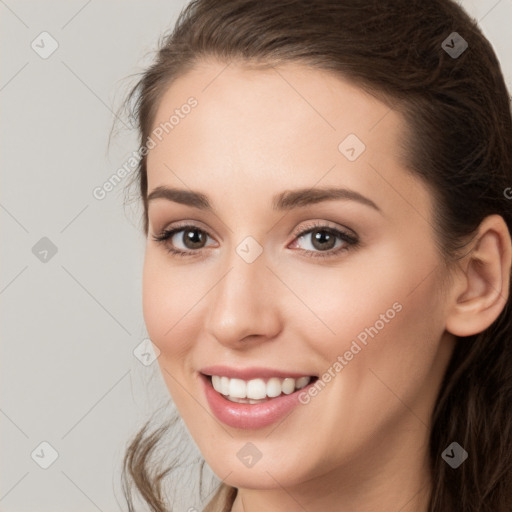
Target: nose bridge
[{"x": 242, "y": 303}]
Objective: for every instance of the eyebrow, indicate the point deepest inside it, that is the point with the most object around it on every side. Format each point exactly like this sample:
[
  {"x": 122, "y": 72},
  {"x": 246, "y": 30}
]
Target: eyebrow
[{"x": 286, "y": 200}]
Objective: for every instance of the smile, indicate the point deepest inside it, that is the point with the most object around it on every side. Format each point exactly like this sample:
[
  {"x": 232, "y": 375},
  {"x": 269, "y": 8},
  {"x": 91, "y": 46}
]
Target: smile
[
  {"x": 257, "y": 390},
  {"x": 255, "y": 402}
]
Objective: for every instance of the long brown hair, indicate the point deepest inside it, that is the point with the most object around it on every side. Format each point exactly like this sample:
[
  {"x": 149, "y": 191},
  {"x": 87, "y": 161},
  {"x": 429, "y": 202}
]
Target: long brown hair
[{"x": 459, "y": 143}]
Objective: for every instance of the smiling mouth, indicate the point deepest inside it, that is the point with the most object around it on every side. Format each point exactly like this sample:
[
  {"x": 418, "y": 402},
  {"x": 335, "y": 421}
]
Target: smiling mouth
[{"x": 257, "y": 390}]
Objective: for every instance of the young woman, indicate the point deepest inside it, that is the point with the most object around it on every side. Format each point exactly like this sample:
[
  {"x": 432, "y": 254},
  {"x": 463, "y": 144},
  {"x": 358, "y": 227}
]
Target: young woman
[{"x": 328, "y": 255}]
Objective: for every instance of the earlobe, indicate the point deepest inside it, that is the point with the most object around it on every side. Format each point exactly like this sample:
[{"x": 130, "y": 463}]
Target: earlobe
[{"x": 481, "y": 288}]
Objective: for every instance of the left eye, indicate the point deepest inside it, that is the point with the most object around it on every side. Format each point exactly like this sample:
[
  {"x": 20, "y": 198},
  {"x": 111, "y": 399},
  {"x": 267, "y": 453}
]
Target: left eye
[
  {"x": 320, "y": 239},
  {"x": 323, "y": 239}
]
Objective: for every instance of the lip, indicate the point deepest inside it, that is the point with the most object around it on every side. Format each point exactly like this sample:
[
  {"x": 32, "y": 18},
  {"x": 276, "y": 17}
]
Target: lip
[
  {"x": 251, "y": 373},
  {"x": 250, "y": 416}
]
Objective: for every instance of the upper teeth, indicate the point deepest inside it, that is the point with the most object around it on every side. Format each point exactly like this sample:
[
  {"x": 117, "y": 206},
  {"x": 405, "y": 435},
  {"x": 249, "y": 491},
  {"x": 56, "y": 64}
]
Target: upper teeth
[{"x": 257, "y": 389}]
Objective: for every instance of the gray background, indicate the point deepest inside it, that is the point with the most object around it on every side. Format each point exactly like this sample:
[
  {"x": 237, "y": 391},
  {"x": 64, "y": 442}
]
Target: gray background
[{"x": 71, "y": 322}]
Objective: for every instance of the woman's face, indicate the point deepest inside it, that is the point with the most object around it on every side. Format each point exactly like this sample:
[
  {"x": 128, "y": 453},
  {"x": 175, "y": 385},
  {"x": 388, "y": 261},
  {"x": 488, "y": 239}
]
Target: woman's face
[{"x": 279, "y": 279}]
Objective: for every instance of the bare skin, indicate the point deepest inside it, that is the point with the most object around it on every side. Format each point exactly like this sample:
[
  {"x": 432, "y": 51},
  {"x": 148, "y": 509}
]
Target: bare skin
[{"x": 361, "y": 443}]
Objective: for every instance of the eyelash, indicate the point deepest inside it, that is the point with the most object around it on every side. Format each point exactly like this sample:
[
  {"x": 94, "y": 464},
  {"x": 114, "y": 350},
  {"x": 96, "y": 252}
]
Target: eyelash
[{"x": 350, "y": 240}]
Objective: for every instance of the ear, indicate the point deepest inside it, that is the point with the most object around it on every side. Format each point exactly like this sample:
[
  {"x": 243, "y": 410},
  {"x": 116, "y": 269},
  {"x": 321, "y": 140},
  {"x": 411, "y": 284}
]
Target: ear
[{"x": 481, "y": 287}]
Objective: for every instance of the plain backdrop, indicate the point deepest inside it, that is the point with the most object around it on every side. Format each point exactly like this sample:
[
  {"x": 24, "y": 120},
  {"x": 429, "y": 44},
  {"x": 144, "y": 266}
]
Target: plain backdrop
[{"x": 72, "y": 389}]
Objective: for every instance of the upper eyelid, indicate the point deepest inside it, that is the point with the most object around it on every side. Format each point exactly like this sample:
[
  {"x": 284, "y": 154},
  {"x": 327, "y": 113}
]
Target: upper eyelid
[
  {"x": 326, "y": 225},
  {"x": 181, "y": 226},
  {"x": 304, "y": 229}
]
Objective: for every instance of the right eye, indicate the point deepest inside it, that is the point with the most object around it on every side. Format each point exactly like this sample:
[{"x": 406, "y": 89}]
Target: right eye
[{"x": 191, "y": 237}]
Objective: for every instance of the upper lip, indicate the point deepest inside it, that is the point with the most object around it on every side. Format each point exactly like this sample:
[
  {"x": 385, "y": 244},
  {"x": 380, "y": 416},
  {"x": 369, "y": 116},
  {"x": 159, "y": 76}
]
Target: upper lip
[{"x": 251, "y": 373}]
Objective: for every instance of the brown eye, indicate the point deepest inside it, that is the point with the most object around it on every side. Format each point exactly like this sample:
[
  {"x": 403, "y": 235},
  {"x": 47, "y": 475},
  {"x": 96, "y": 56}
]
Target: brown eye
[
  {"x": 183, "y": 240},
  {"x": 323, "y": 239},
  {"x": 193, "y": 238}
]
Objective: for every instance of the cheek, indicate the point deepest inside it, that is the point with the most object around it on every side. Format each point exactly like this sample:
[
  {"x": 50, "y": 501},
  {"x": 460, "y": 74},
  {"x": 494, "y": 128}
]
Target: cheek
[
  {"x": 385, "y": 322},
  {"x": 400, "y": 363},
  {"x": 361, "y": 298},
  {"x": 168, "y": 297}
]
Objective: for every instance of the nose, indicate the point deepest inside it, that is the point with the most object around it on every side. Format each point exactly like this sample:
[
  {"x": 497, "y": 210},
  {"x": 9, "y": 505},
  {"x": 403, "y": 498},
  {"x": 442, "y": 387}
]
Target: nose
[{"x": 244, "y": 305}]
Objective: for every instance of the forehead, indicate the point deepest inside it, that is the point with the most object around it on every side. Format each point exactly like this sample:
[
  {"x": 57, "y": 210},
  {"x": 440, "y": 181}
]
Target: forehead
[
  {"x": 292, "y": 100},
  {"x": 268, "y": 129}
]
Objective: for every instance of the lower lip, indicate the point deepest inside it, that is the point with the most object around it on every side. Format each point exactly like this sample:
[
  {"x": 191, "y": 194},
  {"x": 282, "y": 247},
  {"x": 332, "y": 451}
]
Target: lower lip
[{"x": 250, "y": 416}]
